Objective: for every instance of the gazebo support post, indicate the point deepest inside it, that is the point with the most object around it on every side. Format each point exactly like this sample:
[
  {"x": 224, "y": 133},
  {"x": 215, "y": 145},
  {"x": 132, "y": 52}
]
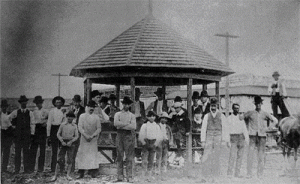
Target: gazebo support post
[
  {"x": 118, "y": 94},
  {"x": 164, "y": 91},
  {"x": 218, "y": 92},
  {"x": 87, "y": 90},
  {"x": 132, "y": 87},
  {"x": 204, "y": 87},
  {"x": 189, "y": 109}
]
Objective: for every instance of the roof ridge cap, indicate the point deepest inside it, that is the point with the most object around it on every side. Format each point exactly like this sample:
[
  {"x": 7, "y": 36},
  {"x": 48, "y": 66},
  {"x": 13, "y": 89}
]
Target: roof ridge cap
[{"x": 137, "y": 39}]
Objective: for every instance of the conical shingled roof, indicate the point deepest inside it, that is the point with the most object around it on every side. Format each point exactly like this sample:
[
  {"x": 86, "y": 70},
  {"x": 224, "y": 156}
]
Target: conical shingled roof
[{"x": 150, "y": 43}]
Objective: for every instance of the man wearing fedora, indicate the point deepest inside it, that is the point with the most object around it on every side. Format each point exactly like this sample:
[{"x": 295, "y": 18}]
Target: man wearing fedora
[
  {"x": 40, "y": 135},
  {"x": 195, "y": 99},
  {"x": 78, "y": 110},
  {"x": 23, "y": 120},
  {"x": 205, "y": 106},
  {"x": 278, "y": 93},
  {"x": 213, "y": 133},
  {"x": 125, "y": 122},
  {"x": 160, "y": 104},
  {"x": 256, "y": 121},
  {"x": 55, "y": 119},
  {"x": 7, "y": 135}
]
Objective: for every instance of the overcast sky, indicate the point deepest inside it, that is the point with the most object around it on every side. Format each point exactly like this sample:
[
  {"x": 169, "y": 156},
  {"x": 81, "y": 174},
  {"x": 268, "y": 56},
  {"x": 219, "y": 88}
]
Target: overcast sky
[{"x": 40, "y": 38}]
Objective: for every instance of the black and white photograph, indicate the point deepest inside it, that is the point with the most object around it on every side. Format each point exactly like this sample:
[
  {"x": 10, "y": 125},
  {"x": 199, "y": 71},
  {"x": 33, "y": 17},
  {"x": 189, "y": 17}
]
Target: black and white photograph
[{"x": 150, "y": 91}]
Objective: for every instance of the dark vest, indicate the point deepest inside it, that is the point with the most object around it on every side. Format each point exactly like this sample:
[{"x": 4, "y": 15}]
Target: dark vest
[
  {"x": 22, "y": 123},
  {"x": 214, "y": 124}
]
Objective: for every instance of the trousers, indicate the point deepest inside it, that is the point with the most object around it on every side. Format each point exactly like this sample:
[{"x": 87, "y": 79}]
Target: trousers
[
  {"x": 260, "y": 143},
  {"x": 148, "y": 153},
  {"x": 125, "y": 142},
  {"x": 277, "y": 101},
  {"x": 6, "y": 142},
  {"x": 39, "y": 141},
  {"x": 162, "y": 155},
  {"x": 54, "y": 146},
  {"x": 236, "y": 153}
]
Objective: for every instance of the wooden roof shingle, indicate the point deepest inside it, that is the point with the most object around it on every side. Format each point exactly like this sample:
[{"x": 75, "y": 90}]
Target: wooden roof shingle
[{"x": 150, "y": 43}]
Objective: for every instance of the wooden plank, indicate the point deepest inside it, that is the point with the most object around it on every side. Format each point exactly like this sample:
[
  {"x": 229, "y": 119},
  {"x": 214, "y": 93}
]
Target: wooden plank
[
  {"x": 218, "y": 92},
  {"x": 106, "y": 156},
  {"x": 132, "y": 86}
]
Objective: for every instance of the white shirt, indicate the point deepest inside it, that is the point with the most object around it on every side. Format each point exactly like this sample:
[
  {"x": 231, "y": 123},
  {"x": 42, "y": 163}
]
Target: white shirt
[
  {"x": 32, "y": 121},
  {"x": 56, "y": 117},
  {"x": 237, "y": 126},
  {"x": 163, "y": 128},
  {"x": 150, "y": 131},
  {"x": 40, "y": 116},
  {"x": 225, "y": 135},
  {"x": 5, "y": 121},
  {"x": 270, "y": 89}
]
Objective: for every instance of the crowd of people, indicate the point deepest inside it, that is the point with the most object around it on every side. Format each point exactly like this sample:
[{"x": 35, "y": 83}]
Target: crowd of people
[{"x": 74, "y": 132}]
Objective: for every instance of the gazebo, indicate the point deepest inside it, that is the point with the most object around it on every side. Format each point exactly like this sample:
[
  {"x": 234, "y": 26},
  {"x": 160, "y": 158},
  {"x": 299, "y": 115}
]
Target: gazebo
[{"x": 151, "y": 54}]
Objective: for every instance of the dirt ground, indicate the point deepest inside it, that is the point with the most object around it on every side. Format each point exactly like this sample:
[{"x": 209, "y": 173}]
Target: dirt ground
[{"x": 273, "y": 173}]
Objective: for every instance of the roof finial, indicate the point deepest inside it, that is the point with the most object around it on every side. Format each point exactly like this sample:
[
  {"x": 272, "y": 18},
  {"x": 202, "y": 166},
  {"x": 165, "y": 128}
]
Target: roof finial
[{"x": 150, "y": 7}]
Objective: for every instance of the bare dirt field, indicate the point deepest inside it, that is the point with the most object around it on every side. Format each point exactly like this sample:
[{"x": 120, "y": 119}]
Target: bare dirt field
[{"x": 274, "y": 165}]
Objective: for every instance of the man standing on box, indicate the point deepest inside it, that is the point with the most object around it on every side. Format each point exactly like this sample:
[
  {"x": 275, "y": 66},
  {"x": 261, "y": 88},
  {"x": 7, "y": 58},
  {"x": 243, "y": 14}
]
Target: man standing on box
[
  {"x": 40, "y": 135},
  {"x": 23, "y": 120},
  {"x": 55, "y": 119},
  {"x": 125, "y": 122},
  {"x": 77, "y": 111},
  {"x": 278, "y": 93}
]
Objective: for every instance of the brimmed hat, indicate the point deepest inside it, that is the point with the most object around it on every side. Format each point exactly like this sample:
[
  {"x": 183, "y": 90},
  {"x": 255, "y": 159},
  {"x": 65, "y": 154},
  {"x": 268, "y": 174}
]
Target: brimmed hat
[
  {"x": 58, "y": 98},
  {"x": 23, "y": 99},
  {"x": 4, "y": 103},
  {"x": 164, "y": 115},
  {"x": 38, "y": 99},
  {"x": 76, "y": 98},
  {"x": 70, "y": 114},
  {"x": 204, "y": 94},
  {"x": 159, "y": 91},
  {"x": 104, "y": 99},
  {"x": 138, "y": 91},
  {"x": 276, "y": 73},
  {"x": 258, "y": 99},
  {"x": 112, "y": 97},
  {"x": 213, "y": 101},
  {"x": 197, "y": 111},
  {"x": 127, "y": 100},
  {"x": 195, "y": 95},
  {"x": 91, "y": 103},
  {"x": 95, "y": 93},
  {"x": 177, "y": 104},
  {"x": 177, "y": 99},
  {"x": 151, "y": 113}
]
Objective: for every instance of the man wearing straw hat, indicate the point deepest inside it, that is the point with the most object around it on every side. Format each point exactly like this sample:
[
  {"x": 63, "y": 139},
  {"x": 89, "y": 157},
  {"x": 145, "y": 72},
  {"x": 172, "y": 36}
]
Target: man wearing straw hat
[
  {"x": 55, "y": 119},
  {"x": 7, "y": 134},
  {"x": 40, "y": 135},
  {"x": 278, "y": 94},
  {"x": 125, "y": 122},
  {"x": 23, "y": 120},
  {"x": 256, "y": 121}
]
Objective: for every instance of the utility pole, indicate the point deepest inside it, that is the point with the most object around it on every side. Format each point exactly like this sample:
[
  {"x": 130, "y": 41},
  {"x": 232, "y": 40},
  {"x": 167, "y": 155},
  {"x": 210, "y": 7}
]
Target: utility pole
[
  {"x": 59, "y": 75},
  {"x": 227, "y": 36}
]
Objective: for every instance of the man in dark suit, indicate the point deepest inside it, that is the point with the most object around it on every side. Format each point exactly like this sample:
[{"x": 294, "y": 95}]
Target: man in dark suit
[
  {"x": 205, "y": 106},
  {"x": 159, "y": 105},
  {"x": 23, "y": 120},
  {"x": 78, "y": 110}
]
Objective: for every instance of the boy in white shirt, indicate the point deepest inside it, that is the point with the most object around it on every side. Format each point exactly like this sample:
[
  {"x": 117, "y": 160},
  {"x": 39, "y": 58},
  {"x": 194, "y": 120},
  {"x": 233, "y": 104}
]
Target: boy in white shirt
[{"x": 150, "y": 136}]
